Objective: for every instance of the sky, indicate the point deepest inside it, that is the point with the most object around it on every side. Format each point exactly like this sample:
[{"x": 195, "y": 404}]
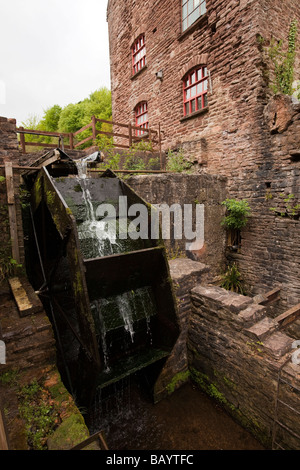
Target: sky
[{"x": 51, "y": 52}]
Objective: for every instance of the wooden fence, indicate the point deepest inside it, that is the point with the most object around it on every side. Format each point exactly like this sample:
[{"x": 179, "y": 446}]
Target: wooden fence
[{"x": 126, "y": 134}]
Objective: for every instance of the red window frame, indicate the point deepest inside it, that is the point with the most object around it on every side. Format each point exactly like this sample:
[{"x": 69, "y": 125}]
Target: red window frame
[
  {"x": 195, "y": 85},
  {"x": 141, "y": 117},
  {"x": 138, "y": 54}
]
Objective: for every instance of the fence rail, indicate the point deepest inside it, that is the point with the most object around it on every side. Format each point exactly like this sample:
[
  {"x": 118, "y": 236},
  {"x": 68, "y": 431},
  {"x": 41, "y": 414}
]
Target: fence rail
[{"x": 126, "y": 138}]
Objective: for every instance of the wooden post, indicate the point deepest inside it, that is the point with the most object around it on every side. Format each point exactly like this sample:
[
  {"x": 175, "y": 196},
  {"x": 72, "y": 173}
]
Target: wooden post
[
  {"x": 22, "y": 141},
  {"x": 162, "y": 166},
  {"x": 71, "y": 140},
  {"x": 94, "y": 129},
  {"x": 12, "y": 213},
  {"x": 129, "y": 135}
]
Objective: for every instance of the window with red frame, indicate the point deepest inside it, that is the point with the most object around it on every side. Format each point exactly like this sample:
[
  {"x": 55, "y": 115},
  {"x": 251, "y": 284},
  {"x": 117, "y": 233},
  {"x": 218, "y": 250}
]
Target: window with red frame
[
  {"x": 195, "y": 90},
  {"x": 141, "y": 117},
  {"x": 138, "y": 54}
]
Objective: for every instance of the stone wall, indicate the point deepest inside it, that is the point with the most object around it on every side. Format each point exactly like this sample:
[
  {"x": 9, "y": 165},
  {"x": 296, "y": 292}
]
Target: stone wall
[
  {"x": 185, "y": 274},
  {"x": 190, "y": 189},
  {"x": 9, "y": 147},
  {"x": 236, "y": 353},
  {"x": 236, "y": 136}
]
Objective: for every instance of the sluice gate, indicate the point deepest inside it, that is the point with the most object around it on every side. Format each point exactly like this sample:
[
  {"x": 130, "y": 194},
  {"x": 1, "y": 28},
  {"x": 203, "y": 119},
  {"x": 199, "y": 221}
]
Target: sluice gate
[{"x": 109, "y": 295}]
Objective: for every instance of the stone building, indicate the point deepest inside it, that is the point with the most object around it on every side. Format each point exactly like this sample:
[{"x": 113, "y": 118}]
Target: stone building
[{"x": 200, "y": 70}]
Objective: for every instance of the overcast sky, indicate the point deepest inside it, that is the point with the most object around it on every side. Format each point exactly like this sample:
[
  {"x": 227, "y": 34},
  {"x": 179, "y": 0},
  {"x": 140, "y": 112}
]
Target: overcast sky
[{"x": 51, "y": 52}]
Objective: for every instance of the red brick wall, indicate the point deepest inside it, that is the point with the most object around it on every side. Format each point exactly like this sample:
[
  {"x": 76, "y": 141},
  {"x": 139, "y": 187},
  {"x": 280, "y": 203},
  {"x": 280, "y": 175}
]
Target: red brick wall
[{"x": 233, "y": 138}]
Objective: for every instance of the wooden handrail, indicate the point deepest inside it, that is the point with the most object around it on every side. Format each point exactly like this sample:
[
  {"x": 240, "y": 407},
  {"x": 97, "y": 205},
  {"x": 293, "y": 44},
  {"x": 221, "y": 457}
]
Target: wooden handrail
[{"x": 150, "y": 134}]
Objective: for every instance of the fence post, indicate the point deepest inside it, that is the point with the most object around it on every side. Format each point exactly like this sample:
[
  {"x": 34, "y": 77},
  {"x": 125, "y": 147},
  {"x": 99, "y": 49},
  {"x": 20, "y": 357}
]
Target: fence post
[
  {"x": 71, "y": 141},
  {"x": 94, "y": 129},
  {"x": 22, "y": 140},
  {"x": 162, "y": 166},
  {"x": 130, "y": 134}
]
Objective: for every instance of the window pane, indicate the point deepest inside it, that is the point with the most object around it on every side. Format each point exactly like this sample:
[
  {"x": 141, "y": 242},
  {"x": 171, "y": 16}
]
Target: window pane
[
  {"x": 187, "y": 108},
  {"x": 194, "y": 16},
  {"x": 199, "y": 102},
  {"x": 199, "y": 74},
  {"x": 196, "y": 3},
  {"x": 188, "y": 94},
  {"x": 193, "y": 108},
  {"x": 190, "y": 6},
  {"x": 193, "y": 78},
  {"x": 184, "y": 11},
  {"x": 205, "y": 100},
  {"x": 184, "y": 24},
  {"x": 203, "y": 8},
  {"x": 205, "y": 72},
  {"x": 205, "y": 85},
  {"x": 199, "y": 88},
  {"x": 193, "y": 91}
]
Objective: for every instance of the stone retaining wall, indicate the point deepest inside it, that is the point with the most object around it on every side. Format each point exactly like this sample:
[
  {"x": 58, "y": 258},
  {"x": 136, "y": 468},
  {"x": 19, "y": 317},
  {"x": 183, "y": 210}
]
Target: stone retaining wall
[{"x": 235, "y": 353}]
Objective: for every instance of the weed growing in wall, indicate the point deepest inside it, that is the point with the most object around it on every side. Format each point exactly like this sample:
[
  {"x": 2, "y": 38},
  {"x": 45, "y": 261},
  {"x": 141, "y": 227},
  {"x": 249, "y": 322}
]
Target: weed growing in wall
[
  {"x": 177, "y": 163},
  {"x": 282, "y": 59},
  {"x": 237, "y": 213}
]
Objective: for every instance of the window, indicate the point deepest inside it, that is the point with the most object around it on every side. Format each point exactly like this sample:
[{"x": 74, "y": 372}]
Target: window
[
  {"x": 191, "y": 11},
  {"x": 138, "y": 54},
  {"x": 141, "y": 117},
  {"x": 195, "y": 90}
]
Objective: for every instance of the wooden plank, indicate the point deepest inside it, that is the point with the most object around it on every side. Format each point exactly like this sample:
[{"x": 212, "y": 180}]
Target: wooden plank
[
  {"x": 84, "y": 141},
  {"x": 12, "y": 214},
  {"x": 83, "y": 129},
  {"x": 26, "y": 299},
  {"x": 289, "y": 316},
  {"x": 3, "y": 438},
  {"x": 21, "y": 130},
  {"x": 41, "y": 144}
]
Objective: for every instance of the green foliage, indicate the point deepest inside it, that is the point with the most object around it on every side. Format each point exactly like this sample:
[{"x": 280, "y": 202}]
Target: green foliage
[
  {"x": 39, "y": 414},
  {"x": 177, "y": 163},
  {"x": 51, "y": 119},
  {"x": 232, "y": 280},
  {"x": 283, "y": 61},
  {"x": 237, "y": 213},
  {"x": 287, "y": 207},
  {"x": 73, "y": 117}
]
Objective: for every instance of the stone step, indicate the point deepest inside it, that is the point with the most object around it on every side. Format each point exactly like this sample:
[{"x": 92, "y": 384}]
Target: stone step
[{"x": 262, "y": 329}]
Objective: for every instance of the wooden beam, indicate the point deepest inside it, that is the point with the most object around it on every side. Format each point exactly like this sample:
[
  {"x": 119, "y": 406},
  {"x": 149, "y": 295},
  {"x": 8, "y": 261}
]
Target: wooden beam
[
  {"x": 3, "y": 438},
  {"x": 12, "y": 213},
  {"x": 288, "y": 317}
]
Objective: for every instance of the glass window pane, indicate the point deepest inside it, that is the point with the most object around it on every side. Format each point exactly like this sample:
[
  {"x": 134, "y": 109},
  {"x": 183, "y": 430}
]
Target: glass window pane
[
  {"x": 187, "y": 108},
  {"x": 193, "y": 107},
  {"x": 188, "y": 94},
  {"x": 205, "y": 100},
  {"x": 199, "y": 88},
  {"x": 205, "y": 71},
  {"x": 199, "y": 102},
  {"x": 205, "y": 85},
  {"x": 184, "y": 11},
  {"x": 193, "y": 91},
  {"x": 203, "y": 8},
  {"x": 199, "y": 74},
  {"x": 184, "y": 24},
  {"x": 194, "y": 16},
  {"x": 193, "y": 78},
  {"x": 196, "y": 3},
  {"x": 190, "y": 6}
]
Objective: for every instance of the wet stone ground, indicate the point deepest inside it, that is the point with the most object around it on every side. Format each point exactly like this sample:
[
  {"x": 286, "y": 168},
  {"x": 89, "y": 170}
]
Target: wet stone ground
[{"x": 187, "y": 420}]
